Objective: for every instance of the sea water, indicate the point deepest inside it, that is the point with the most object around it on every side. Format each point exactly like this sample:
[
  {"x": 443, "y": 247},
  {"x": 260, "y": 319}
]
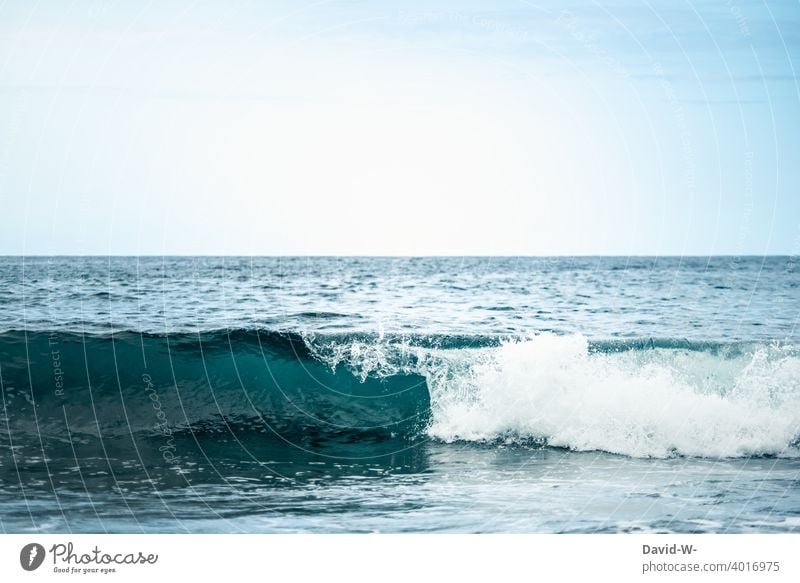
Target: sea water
[{"x": 250, "y": 394}]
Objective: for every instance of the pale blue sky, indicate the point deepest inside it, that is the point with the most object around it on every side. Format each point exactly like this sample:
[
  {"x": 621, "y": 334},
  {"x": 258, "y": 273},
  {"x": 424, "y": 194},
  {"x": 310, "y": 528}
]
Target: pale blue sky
[{"x": 454, "y": 128}]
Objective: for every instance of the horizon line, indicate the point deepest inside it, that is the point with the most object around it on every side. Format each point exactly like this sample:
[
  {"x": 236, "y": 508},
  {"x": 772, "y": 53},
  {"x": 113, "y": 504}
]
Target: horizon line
[{"x": 399, "y": 256}]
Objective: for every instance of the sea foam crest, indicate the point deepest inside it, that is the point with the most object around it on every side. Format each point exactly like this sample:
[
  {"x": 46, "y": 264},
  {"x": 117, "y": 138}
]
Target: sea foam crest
[{"x": 643, "y": 403}]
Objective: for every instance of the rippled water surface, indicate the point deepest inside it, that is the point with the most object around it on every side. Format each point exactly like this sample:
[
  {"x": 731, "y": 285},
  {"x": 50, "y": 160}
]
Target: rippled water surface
[{"x": 399, "y": 394}]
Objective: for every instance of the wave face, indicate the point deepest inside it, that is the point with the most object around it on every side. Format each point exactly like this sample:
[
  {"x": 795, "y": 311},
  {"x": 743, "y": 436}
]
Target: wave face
[
  {"x": 213, "y": 383},
  {"x": 653, "y": 398}
]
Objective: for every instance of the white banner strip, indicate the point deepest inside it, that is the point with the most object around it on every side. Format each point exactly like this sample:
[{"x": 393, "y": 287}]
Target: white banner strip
[{"x": 387, "y": 558}]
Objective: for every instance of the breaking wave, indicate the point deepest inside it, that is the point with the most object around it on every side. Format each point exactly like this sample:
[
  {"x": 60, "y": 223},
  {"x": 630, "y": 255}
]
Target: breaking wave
[{"x": 644, "y": 398}]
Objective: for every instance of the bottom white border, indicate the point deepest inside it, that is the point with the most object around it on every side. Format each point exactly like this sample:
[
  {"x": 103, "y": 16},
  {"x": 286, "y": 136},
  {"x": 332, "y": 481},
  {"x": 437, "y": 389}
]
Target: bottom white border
[{"x": 411, "y": 557}]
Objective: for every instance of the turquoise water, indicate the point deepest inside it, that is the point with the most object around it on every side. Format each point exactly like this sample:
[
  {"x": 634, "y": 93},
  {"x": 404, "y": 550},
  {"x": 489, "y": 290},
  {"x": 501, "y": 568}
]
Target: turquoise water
[{"x": 399, "y": 394}]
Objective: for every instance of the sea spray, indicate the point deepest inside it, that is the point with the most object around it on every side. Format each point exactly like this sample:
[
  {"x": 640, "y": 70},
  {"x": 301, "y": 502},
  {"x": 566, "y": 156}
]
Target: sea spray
[{"x": 652, "y": 403}]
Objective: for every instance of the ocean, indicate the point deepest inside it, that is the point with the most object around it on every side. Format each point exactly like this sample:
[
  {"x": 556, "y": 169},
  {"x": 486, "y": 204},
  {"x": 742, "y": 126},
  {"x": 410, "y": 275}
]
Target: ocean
[{"x": 337, "y": 394}]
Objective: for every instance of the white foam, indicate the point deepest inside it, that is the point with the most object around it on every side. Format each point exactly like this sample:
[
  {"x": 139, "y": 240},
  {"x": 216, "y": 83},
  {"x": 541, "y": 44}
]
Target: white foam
[{"x": 652, "y": 403}]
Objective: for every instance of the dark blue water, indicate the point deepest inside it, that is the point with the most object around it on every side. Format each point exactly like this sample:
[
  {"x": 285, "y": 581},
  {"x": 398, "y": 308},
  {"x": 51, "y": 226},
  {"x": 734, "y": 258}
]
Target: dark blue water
[{"x": 399, "y": 394}]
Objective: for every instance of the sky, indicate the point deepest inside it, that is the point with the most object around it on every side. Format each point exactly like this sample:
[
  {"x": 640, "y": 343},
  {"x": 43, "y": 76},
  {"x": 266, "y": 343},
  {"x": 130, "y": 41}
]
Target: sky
[{"x": 400, "y": 128}]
